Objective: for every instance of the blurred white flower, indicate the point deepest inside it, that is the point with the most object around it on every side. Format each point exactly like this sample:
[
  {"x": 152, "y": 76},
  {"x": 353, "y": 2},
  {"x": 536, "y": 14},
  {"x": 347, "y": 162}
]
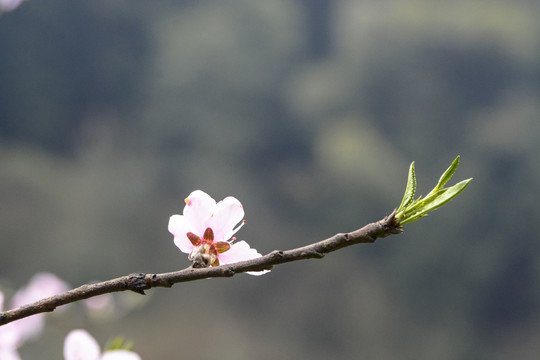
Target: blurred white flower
[
  {"x": 9, "y": 338},
  {"x": 100, "y": 307},
  {"x": 80, "y": 345},
  {"x": 9, "y": 5},
  {"x": 40, "y": 286}
]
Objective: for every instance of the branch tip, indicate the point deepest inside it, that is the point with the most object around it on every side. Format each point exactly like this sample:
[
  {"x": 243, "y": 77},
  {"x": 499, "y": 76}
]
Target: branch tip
[{"x": 390, "y": 226}]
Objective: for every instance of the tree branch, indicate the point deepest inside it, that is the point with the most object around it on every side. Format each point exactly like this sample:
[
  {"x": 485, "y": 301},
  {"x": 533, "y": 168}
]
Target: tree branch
[{"x": 139, "y": 282}]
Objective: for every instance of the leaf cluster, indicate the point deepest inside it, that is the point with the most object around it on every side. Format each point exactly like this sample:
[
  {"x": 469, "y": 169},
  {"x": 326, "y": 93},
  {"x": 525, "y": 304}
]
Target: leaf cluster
[
  {"x": 119, "y": 343},
  {"x": 411, "y": 210}
]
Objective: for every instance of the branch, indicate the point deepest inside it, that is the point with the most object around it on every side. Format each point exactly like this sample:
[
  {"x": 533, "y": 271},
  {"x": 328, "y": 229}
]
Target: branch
[{"x": 139, "y": 282}]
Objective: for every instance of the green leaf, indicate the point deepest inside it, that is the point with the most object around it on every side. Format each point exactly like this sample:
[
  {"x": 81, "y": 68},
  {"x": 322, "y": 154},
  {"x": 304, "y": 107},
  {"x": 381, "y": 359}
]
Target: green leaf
[
  {"x": 447, "y": 174},
  {"x": 449, "y": 194},
  {"x": 438, "y": 199},
  {"x": 118, "y": 343},
  {"x": 410, "y": 189}
]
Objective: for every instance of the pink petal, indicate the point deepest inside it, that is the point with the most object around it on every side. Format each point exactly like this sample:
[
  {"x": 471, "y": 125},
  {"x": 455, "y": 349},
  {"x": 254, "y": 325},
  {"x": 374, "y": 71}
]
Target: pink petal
[
  {"x": 9, "y": 354},
  {"x": 198, "y": 210},
  {"x": 10, "y": 337},
  {"x": 28, "y": 328},
  {"x": 9, "y": 5},
  {"x": 40, "y": 286},
  {"x": 179, "y": 226},
  {"x": 227, "y": 214},
  {"x": 80, "y": 345},
  {"x": 240, "y": 251},
  {"x": 120, "y": 355}
]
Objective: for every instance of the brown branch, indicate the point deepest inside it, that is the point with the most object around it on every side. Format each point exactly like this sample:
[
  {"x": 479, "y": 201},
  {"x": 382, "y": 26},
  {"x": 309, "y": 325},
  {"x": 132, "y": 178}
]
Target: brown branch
[{"x": 141, "y": 282}]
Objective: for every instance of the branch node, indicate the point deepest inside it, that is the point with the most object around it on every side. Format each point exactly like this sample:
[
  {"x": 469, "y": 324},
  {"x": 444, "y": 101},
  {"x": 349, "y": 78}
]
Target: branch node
[
  {"x": 136, "y": 282},
  {"x": 228, "y": 272},
  {"x": 277, "y": 254},
  {"x": 390, "y": 225}
]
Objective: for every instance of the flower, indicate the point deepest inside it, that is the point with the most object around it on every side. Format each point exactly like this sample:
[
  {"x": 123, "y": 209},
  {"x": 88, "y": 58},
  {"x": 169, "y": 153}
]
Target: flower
[
  {"x": 9, "y": 5},
  {"x": 80, "y": 345},
  {"x": 9, "y": 338},
  {"x": 40, "y": 286},
  {"x": 205, "y": 229},
  {"x": 15, "y": 334}
]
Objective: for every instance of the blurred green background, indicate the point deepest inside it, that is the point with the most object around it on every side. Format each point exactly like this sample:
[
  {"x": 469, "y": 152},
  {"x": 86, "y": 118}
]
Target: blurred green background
[{"x": 309, "y": 112}]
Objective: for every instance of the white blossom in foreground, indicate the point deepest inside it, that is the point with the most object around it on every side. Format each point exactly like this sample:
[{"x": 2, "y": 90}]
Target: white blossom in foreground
[{"x": 80, "y": 345}]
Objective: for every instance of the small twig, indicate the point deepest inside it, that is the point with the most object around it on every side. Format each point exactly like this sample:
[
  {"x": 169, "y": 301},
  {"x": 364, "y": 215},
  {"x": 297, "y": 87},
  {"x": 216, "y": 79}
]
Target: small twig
[{"x": 139, "y": 282}]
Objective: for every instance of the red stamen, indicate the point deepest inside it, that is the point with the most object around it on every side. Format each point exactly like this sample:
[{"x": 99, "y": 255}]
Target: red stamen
[
  {"x": 208, "y": 235},
  {"x": 195, "y": 240}
]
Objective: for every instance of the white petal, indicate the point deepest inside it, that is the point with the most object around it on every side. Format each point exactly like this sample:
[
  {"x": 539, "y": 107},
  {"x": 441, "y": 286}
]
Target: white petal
[
  {"x": 179, "y": 226},
  {"x": 80, "y": 345},
  {"x": 198, "y": 210},
  {"x": 9, "y": 354},
  {"x": 228, "y": 213},
  {"x": 240, "y": 251}
]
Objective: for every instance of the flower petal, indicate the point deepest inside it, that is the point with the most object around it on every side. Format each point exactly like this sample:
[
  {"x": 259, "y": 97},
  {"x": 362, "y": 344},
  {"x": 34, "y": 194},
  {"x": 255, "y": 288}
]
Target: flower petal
[
  {"x": 40, "y": 286},
  {"x": 80, "y": 345},
  {"x": 9, "y": 354},
  {"x": 240, "y": 251},
  {"x": 227, "y": 214},
  {"x": 198, "y": 210},
  {"x": 179, "y": 226},
  {"x": 10, "y": 337}
]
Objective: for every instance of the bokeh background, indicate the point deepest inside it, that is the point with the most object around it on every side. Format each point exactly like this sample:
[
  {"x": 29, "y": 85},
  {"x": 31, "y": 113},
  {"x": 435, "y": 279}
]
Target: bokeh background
[{"x": 309, "y": 112}]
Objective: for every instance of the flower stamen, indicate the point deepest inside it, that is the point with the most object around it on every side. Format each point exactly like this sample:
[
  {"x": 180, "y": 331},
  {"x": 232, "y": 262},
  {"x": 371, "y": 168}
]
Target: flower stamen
[
  {"x": 195, "y": 240},
  {"x": 234, "y": 231},
  {"x": 208, "y": 235}
]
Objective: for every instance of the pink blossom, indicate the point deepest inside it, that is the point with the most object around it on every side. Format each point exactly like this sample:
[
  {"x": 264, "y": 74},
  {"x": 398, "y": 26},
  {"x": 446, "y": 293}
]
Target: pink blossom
[
  {"x": 80, "y": 345},
  {"x": 9, "y": 5},
  {"x": 9, "y": 338},
  {"x": 100, "y": 307},
  {"x": 9, "y": 354},
  {"x": 40, "y": 286},
  {"x": 205, "y": 229},
  {"x": 15, "y": 334}
]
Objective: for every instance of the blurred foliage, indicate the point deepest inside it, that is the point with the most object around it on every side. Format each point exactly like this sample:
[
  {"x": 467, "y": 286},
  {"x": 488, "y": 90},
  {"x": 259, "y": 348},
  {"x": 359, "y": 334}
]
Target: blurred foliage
[{"x": 309, "y": 113}]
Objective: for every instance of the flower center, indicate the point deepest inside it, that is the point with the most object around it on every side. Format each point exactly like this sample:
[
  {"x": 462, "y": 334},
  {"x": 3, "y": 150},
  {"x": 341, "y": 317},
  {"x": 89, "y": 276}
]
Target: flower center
[{"x": 205, "y": 251}]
